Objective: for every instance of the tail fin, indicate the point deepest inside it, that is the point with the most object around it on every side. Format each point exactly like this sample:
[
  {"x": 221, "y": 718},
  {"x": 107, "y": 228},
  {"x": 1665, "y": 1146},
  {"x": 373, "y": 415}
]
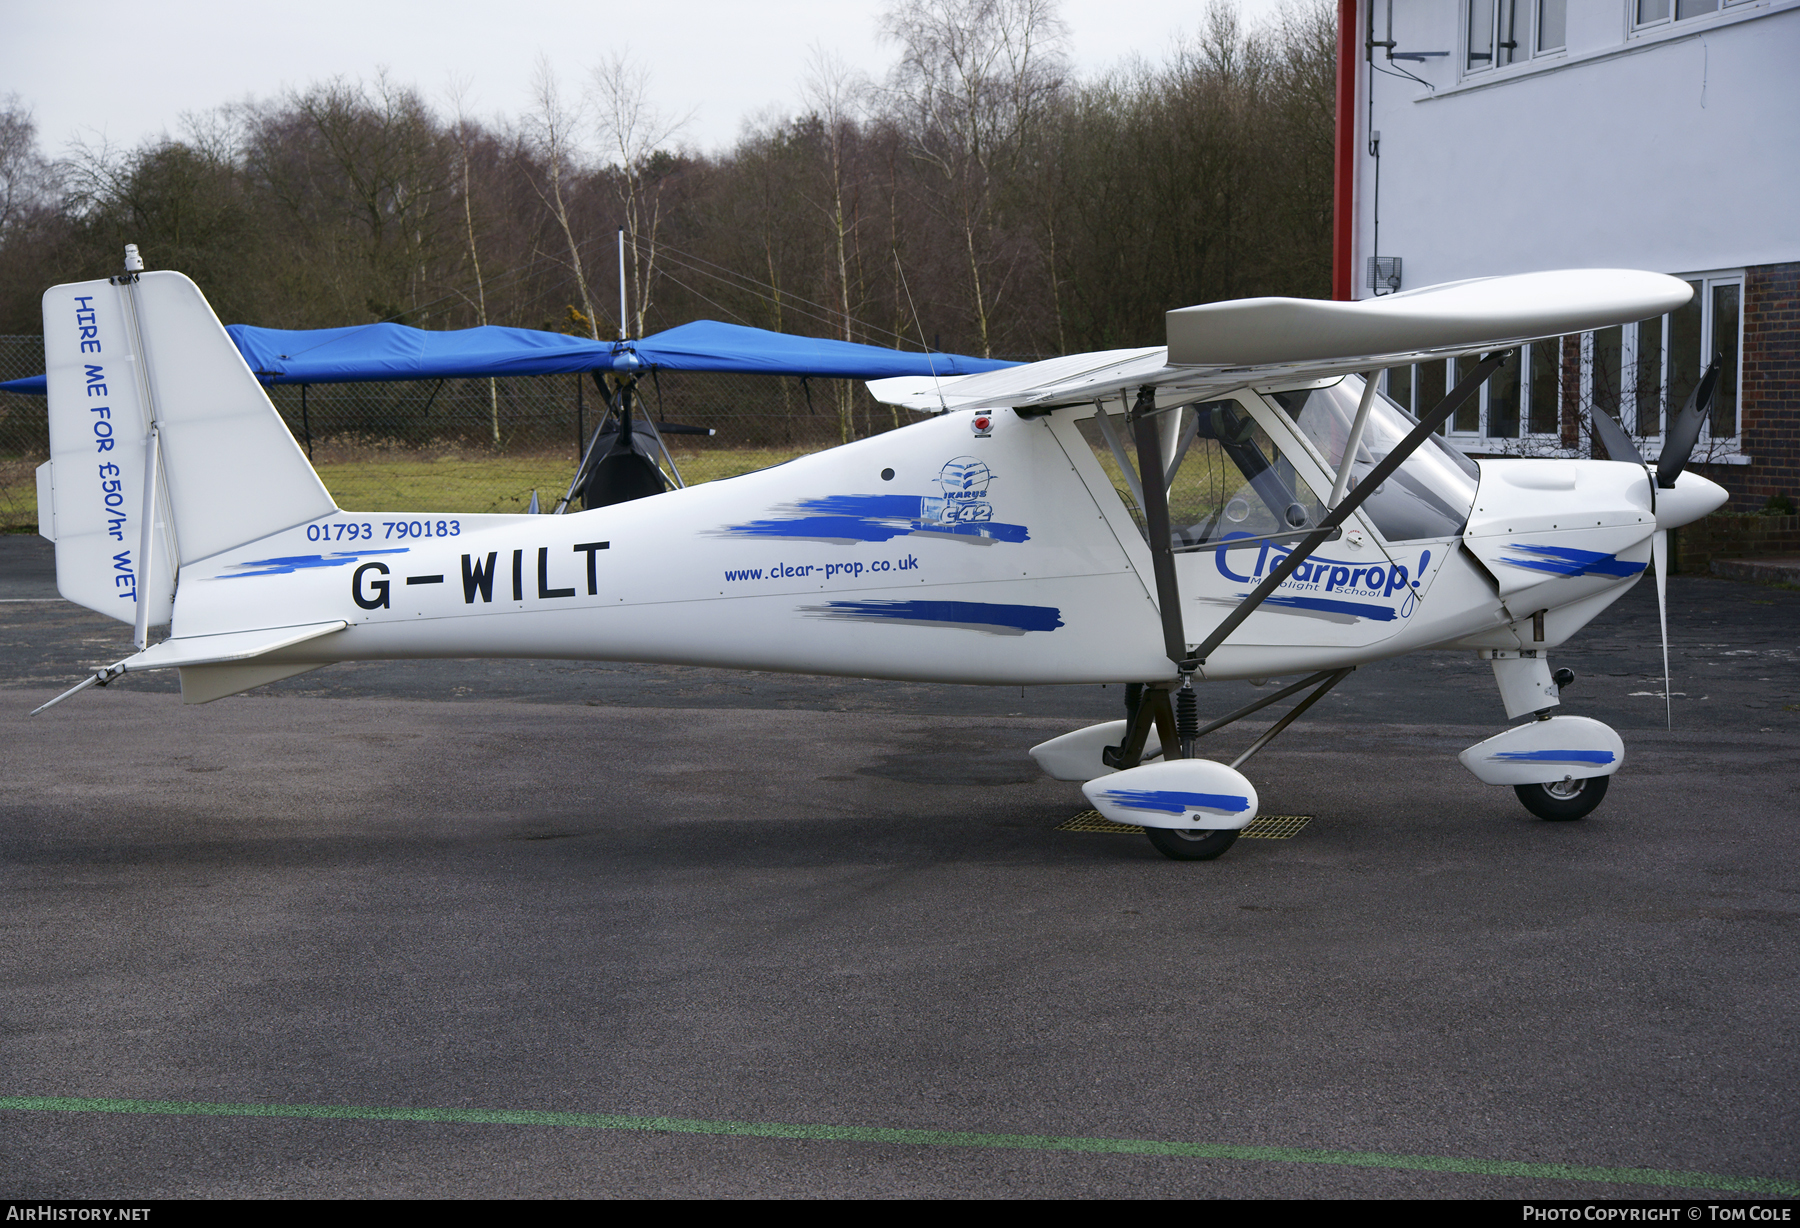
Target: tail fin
[{"x": 164, "y": 449}]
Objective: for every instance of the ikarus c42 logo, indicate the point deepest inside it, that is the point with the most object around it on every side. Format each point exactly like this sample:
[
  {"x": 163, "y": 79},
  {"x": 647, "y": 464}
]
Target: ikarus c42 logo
[{"x": 965, "y": 484}]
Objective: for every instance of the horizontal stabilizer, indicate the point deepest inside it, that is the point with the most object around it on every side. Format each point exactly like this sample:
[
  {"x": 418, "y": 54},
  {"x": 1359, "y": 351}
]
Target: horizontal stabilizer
[
  {"x": 187, "y": 652},
  {"x": 229, "y": 646}
]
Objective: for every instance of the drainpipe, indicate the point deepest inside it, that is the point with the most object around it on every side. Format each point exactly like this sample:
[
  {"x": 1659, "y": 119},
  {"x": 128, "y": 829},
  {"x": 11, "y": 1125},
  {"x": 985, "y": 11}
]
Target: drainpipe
[{"x": 1343, "y": 197}]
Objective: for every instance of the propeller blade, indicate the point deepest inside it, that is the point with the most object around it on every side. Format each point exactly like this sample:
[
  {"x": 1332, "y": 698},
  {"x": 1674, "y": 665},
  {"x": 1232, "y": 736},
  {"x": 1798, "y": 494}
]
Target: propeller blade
[
  {"x": 1613, "y": 437},
  {"x": 1684, "y": 432},
  {"x": 1659, "y": 556}
]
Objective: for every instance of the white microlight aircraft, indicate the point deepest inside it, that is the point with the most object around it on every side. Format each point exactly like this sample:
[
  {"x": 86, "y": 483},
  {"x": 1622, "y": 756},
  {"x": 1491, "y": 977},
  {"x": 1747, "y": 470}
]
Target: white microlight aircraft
[{"x": 1241, "y": 504}]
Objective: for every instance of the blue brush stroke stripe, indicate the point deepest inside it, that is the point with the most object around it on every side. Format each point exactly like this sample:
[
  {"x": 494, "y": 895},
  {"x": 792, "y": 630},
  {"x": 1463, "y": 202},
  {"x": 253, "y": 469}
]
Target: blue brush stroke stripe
[
  {"x": 891, "y": 507},
  {"x": 1328, "y": 605},
  {"x": 1568, "y": 561},
  {"x": 852, "y": 528},
  {"x": 1169, "y": 801},
  {"x": 301, "y": 562},
  {"x": 977, "y": 528},
  {"x": 1554, "y": 756},
  {"x": 967, "y": 613},
  {"x": 870, "y": 518}
]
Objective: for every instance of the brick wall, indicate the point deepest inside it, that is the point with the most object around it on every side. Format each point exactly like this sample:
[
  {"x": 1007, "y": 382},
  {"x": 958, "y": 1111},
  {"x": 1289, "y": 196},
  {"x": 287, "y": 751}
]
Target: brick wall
[
  {"x": 1725, "y": 535},
  {"x": 1771, "y": 391}
]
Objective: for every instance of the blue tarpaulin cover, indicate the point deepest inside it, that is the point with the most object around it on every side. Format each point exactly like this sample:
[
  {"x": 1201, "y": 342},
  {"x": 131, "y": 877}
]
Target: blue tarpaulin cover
[{"x": 395, "y": 351}]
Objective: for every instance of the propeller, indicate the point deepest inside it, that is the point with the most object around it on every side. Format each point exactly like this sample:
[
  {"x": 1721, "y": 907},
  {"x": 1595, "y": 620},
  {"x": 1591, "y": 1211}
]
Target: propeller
[
  {"x": 1613, "y": 438},
  {"x": 1659, "y": 557},
  {"x": 1684, "y": 431},
  {"x": 1678, "y": 446}
]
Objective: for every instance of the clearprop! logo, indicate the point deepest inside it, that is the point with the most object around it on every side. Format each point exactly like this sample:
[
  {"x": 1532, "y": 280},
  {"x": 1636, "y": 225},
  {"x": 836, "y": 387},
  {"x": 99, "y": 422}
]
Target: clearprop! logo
[{"x": 1334, "y": 587}]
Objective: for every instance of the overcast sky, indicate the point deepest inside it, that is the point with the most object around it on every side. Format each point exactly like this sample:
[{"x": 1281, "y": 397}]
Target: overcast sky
[{"x": 129, "y": 69}]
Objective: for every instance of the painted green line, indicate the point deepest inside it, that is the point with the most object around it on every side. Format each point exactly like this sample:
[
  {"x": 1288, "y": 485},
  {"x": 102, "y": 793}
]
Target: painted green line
[{"x": 922, "y": 1138}]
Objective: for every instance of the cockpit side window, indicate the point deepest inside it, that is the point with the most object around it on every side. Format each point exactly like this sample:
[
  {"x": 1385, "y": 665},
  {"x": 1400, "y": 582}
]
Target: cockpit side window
[
  {"x": 1226, "y": 475},
  {"x": 1429, "y": 496}
]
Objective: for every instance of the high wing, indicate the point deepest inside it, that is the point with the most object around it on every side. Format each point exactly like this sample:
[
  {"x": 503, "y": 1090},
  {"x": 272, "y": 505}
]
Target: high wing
[{"x": 1217, "y": 347}]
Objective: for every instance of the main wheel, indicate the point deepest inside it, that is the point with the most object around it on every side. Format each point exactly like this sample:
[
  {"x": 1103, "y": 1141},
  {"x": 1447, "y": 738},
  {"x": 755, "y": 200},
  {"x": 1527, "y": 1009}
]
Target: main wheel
[
  {"x": 1563, "y": 799},
  {"x": 1184, "y": 845}
]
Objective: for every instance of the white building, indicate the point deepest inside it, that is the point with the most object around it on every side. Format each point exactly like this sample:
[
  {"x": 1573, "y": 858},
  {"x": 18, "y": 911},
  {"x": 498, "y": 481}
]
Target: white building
[{"x": 1503, "y": 136}]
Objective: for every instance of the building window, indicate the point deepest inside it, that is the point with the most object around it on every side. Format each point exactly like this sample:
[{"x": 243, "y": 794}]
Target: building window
[
  {"x": 1552, "y": 25},
  {"x": 1656, "y": 12},
  {"x": 1502, "y": 32},
  {"x": 1641, "y": 374}
]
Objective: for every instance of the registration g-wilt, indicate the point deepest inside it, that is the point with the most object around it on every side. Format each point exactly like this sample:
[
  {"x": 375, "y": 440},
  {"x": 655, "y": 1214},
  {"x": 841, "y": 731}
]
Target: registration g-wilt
[{"x": 1240, "y": 504}]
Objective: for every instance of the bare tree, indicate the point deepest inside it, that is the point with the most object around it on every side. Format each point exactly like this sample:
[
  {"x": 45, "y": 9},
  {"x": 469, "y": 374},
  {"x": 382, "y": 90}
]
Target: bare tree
[
  {"x": 381, "y": 145},
  {"x": 27, "y": 180},
  {"x": 465, "y": 139},
  {"x": 835, "y": 94},
  {"x": 633, "y": 133},
  {"x": 976, "y": 79},
  {"x": 555, "y": 134}
]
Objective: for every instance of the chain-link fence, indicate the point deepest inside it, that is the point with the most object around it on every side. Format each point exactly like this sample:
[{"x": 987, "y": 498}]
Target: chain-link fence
[
  {"x": 24, "y": 435},
  {"x": 479, "y": 445}
]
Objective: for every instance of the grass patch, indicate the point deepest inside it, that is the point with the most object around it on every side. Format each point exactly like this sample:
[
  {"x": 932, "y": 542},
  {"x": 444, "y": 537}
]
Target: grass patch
[
  {"x": 18, "y": 494},
  {"x": 444, "y": 484},
  {"x": 454, "y": 483}
]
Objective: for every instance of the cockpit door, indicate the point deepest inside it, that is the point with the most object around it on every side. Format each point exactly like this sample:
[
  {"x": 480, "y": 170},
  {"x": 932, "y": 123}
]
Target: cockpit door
[{"x": 1243, "y": 490}]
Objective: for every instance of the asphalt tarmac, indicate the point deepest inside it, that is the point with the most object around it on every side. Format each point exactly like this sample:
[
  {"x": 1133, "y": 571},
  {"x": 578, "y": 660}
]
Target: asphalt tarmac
[{"x": 820, "y": 937}]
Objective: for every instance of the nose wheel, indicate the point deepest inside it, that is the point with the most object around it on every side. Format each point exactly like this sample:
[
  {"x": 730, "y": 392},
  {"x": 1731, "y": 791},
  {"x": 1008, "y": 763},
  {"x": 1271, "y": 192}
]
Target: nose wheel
[{"x": 1561, "y": 800}]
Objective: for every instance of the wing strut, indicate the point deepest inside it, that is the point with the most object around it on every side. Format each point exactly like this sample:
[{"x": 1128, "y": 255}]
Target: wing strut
[
  {"x": 1151, "y": 705},
  {"x": 1156, "y": 524},
  {"x": 1354, "y": 443}
]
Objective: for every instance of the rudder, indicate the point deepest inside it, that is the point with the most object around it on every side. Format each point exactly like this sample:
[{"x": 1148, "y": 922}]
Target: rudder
[{"x": 124, "y": 356}]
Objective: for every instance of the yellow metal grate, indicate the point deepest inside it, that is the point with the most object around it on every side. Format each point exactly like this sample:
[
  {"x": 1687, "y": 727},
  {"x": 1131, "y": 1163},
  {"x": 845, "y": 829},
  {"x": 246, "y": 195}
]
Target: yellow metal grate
[
  {"x": 1093, "y": 821},
  {"x": 1263, "y": 827},
  {"x": 1275, "y": 826}
]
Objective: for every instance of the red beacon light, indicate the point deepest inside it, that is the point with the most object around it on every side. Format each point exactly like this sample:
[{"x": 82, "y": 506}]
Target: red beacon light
[{"x": 983, "y": 425}]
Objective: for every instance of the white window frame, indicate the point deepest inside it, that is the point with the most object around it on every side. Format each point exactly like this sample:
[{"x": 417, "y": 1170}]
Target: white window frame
[
  {"x": 1525, "y": 30},
  {"x": 1635, "y": 27},
  {"x": 1549, "y": 443},
  {"x": 1708, "y": 346}
]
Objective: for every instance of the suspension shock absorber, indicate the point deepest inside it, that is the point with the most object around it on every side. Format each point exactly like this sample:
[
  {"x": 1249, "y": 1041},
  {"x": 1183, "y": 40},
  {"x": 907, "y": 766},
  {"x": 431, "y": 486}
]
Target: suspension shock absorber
[{"x": 1187, "y": 716}]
